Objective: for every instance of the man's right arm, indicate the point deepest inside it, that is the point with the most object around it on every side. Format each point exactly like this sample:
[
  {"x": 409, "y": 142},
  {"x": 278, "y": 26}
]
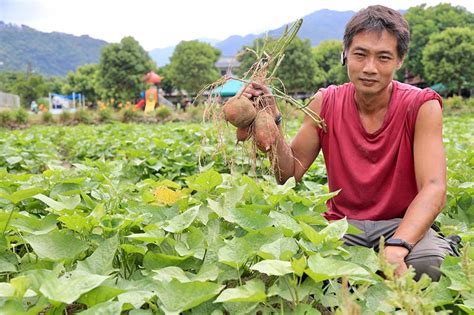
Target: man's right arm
[{"x": 293, "y": 160}]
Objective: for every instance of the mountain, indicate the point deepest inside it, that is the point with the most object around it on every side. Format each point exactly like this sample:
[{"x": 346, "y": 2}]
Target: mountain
[
  {"x": 50, "y": 54},
  {"x": 162, "y": 55},
  {"x": 317, "y": 26}
]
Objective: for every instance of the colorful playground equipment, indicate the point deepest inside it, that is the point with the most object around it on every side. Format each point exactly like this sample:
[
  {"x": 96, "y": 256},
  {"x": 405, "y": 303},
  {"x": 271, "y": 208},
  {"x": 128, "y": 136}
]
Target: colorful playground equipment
[{"x": 151, "y": 98}]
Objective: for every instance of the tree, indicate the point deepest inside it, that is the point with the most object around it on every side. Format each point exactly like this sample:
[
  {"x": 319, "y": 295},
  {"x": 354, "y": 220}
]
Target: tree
[
  {"x": 83, "y": 81},
  {"x": 298, "y": 68},
  {"x": 166, "y": 79},
  {"x": 296, "y": 71},
  {"x": 192, "y": 65},
  {"x": 425, "y": 21},
  {"x": 448, "y": 56},
  {"x": 328, "y": 59},
  {"x": 29, "y": 87},
  {"x": 122, "y": 67}
]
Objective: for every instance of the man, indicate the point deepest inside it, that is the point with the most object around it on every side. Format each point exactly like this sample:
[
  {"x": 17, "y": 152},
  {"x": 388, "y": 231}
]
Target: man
[{"x": 383, "y": 146}]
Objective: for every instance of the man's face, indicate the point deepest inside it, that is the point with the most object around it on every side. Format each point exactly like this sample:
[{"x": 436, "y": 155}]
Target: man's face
[{"x": 372, "y": 60}]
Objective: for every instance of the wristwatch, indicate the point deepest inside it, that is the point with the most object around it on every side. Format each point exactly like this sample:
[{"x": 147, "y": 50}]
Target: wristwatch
[
  {"x": 278, "y": 119},
  {"x": 399, "y": 242}
]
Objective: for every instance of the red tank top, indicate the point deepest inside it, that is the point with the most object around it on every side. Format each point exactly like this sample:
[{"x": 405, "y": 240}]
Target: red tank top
[{"x": 375, "y": 171}]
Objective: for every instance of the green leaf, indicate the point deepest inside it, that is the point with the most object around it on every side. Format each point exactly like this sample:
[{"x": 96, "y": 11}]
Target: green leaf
[
  {"x": 364, "y": 256},
  {"x": 249, "y": 219},
  {"x": 153, "y": 261},
  {"x": 283, "y": 248},
  {"x": 335, "y": 230},
  {"x": 273, "y": 267},
  {"x": 299, "y": 265},
  {"x": 233, "y": 196},
  {"x": 328, "y": 268},
  {"x": 178, "y": 297},
  {"x": 56, "y": 245},
  {"x": 314, "y": 236},
  {"x": 100, "y": 262},
  {"x": 153, "y": 234},
  {"x": 182, "y": 221},
  {"x": 285, "y": 222},
  {"x": 13, "y": 160},
  {"x": 70, "y": 286},
  {"x": 107, "y": 308},
  {"x": 21, "y": 195},
  {"x": 53, "y": 204},
  {"x": 34, "y": 225},
  {"x": 235, "y": 252},
  {"x": 252, "y": 291},
  {"x": 136, "y": 298},
  {"x": 99, "y": 295},
  {"x": 206, "y": 181}
]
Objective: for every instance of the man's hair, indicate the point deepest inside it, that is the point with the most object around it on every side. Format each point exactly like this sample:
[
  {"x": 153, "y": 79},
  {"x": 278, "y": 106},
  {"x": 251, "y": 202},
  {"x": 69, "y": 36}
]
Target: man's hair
[{"x": 377, "y": 18}]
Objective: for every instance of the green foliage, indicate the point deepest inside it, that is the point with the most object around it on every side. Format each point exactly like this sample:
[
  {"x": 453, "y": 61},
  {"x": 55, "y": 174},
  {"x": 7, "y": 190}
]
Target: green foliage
[
  {"x": 447, "y": 58},
  {"x": 84, "y": 81},
  {"x": 50, "y": 54},
  {"x": 65, "y": 116},
  {"x": 122, "y": 68},
  {"x": 330, "y": 71},
  {"x": 130, "y": 115},
  {"x": 298, "y": 68},
  {"x": 106, "y": 115},
  {"x": 83, "y": 116},
  {"x": 6, "y": 117},
  {"x": 166, "y": 79},
  {"x": 425, "y": 21},
  {"x": 47, "y": 117},
  {"x": 134, "y": 217},
  {"x": 192, "y": 65},
  {"x": 162, "y": 112},
  {"x": 21, "y": 116}
]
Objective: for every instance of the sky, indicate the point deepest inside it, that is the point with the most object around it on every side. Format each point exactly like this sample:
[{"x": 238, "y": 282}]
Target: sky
[{"x": 159, "y": 24}]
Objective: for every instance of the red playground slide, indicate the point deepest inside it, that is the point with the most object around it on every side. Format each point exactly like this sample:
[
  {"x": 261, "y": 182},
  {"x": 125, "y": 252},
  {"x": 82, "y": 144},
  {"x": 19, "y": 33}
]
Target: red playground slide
[{"x": 140, "y": 104}]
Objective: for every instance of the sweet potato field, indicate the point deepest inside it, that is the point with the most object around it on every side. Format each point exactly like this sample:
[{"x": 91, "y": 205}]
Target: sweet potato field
[{"x": 154, "y": 219}]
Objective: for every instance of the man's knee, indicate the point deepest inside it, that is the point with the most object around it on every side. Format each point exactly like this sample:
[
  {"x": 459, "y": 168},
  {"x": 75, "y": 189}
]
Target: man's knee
[{"x": 429, "y": 265}]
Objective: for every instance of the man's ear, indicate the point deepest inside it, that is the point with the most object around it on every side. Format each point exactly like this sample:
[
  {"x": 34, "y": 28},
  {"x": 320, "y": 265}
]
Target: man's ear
[
  {"x": 343, "y": 58},
  {"x": 400, "y": 63}
]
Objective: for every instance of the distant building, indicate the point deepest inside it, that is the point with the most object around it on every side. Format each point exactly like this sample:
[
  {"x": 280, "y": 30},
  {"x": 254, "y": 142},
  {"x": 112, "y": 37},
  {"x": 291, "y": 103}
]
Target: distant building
[
  {"x": 226, "y": 64},
  {"x": 9, "y": 101}
]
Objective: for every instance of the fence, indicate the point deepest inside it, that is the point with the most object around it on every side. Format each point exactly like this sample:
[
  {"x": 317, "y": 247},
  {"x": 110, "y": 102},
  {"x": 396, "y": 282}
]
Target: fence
[{"x": 9, "y": 101}]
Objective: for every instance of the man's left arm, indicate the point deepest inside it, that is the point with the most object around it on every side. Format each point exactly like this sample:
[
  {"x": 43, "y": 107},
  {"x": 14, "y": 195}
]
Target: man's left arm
[{"x": 430, "y": 172}]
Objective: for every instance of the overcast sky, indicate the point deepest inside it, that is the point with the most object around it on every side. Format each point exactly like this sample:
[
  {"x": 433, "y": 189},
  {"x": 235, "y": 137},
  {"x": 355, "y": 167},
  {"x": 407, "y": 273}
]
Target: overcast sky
[{"x": 157, "y": 24}]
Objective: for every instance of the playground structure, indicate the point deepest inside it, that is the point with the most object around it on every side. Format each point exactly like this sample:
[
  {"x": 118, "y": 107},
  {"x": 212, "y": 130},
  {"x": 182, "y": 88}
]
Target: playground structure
[
  {"x": 151, "y": 97},
  {"x": 59, "y": 103}
]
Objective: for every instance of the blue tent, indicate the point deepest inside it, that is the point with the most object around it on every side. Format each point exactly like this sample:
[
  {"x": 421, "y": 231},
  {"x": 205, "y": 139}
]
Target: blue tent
[
  {"x": 70, "y": 97},
  {"x": 230, "y": 88}
]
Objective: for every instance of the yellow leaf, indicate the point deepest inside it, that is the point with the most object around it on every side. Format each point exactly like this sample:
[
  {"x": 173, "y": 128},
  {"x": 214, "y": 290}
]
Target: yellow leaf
[{"x": 167, "y": 196}]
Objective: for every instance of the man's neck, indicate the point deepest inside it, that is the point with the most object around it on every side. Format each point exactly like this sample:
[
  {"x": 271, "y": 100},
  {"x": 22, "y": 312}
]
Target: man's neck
[{"x": 369, "y": 104}]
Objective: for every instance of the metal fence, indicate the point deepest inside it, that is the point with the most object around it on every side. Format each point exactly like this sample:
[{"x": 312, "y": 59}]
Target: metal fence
[{"x": 9, "y": 101}]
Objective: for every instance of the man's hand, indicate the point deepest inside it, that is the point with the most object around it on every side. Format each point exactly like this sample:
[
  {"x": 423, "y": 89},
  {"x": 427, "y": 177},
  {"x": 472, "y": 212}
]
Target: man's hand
[
  {"x": 395, "y": 255},
  {"x": 255, "y": 90}
]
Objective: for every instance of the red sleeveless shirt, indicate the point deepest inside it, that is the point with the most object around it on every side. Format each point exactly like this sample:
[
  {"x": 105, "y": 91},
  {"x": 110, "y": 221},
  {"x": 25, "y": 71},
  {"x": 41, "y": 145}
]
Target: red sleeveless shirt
[{"x": 375, "y": 171}]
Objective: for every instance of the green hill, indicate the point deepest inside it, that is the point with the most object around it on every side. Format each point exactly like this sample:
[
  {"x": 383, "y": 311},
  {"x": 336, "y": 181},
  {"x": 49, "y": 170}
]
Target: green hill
[{"x": 49, "y": 54}]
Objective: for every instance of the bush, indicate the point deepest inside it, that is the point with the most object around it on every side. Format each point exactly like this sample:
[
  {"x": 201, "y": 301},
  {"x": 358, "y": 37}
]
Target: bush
[
  {"x": 83, "y": 116},
  {"x": 65, "y": 116},
  {"x": 21, "y": 116},
  {"x": 163, "y": 112},
  {"x": 47, "y": 117},
  {"x": 6, "y": 118},
  {"x": 106, "y": 115},
  {"x": 130, "y": 115},
  {"x": 454, "y": 102}
]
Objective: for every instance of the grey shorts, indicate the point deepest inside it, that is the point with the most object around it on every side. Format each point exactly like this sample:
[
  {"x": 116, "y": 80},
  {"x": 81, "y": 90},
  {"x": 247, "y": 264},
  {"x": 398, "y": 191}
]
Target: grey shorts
[{"x": 426, "y": 256}]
